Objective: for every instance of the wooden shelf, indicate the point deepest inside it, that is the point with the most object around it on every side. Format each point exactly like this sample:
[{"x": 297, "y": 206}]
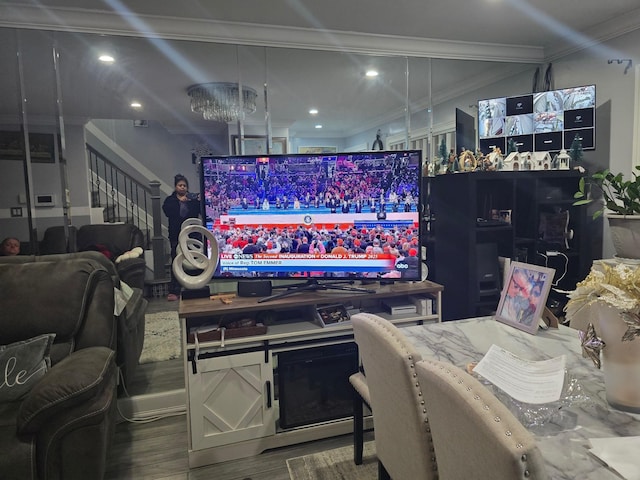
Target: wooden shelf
[
  {"x": 247, "y": 365},
  {"x": 204, "y": 307},
  {"x": 458, "y": 200}
]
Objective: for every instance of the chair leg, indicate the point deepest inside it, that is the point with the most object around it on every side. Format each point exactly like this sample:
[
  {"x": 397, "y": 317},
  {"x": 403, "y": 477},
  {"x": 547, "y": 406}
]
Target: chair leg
[
  {"x": 382, "y": 472},
  {"x": 358, "y": 428}
]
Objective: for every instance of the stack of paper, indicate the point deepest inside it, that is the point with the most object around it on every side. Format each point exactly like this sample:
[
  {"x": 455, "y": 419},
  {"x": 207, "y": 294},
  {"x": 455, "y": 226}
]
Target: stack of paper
[
  {"x": 620, "y": 454},
  {"x": 528, "y": 381}
]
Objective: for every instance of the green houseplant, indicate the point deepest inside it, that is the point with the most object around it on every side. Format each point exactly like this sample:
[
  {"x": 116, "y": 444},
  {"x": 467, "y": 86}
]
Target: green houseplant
[
  {"x": 620, "y": 196},
  {"x": 621, "y": 207}
]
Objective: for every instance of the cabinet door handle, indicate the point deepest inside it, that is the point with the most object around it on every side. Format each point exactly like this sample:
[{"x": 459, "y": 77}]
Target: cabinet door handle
[{"x": 268, "y": 394}]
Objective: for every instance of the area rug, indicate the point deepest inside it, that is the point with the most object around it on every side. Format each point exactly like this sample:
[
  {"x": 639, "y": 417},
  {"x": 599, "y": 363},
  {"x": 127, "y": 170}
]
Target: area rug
[
  {"x": 161, "y": 337},
  {"x": 335, "y": 464}
]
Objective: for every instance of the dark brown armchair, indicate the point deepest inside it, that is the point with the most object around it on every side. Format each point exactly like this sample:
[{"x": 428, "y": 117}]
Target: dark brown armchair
[
  {"x": 118, "y": 238},
  {"x": 55, "y": 241},
  {"x": 61, "y": 425},
  {"x": 130, "y": 322}
]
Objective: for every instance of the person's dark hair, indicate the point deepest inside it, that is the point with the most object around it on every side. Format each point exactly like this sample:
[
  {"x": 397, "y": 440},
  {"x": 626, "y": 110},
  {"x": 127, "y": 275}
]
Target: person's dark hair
[{"x": 178, "y": 178}]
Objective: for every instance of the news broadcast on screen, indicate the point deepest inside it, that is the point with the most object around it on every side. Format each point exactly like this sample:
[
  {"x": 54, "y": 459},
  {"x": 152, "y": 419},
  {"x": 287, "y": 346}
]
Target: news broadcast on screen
[{"x": 338, "y": 215}]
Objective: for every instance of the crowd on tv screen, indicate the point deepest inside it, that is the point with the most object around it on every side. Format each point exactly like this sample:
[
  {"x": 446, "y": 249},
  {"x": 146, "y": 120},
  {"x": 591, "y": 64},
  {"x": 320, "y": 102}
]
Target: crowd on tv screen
[
  {"x": 342, "y": 186},
  {"x": 369, "y": 185}
]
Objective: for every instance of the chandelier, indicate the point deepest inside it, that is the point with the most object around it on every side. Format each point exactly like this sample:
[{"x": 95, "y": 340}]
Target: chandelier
[{"x": 221, "y": 101}]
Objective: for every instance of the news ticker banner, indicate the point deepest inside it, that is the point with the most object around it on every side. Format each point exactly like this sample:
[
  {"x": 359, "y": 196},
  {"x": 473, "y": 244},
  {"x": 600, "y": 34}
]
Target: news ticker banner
[{"x": 296, "y": 262}]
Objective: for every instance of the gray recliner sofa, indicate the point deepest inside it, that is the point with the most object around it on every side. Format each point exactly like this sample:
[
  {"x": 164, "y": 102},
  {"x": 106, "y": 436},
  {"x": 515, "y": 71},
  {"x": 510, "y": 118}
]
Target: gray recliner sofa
[
  {"x": 118, "y": 238},
  {"x": 60, "y": 424},
  {"x": 130, "y": 322}
]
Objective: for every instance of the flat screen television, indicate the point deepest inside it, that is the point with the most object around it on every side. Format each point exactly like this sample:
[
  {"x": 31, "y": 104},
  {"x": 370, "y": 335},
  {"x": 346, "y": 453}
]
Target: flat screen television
[
  {"x": 350, "y": 216},
  {"x": 543, "y": 121}
]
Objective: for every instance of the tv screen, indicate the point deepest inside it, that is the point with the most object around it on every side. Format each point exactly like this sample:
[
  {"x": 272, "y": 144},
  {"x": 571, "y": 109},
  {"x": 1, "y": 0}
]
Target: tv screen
[
  {"x": 543, "y": 121},
  {"x": 333, "y": 216}
]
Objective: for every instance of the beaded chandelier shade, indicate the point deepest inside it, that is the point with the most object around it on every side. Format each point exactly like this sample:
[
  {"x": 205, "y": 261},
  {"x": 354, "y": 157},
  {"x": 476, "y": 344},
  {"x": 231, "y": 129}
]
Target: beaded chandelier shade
[{"x": 220, "y": 101}]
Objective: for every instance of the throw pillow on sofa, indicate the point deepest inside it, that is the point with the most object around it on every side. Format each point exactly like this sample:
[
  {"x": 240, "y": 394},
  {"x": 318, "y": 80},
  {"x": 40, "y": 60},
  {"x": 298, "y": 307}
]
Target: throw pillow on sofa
[
  {"x": 133, "y": 253},
  {"x": 71, "y": 382},
  {"x": 22, "y": 365}
]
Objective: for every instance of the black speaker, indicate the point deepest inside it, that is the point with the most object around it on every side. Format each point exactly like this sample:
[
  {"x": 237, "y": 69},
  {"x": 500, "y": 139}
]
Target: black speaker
[
  {"x": 258, "y": 288},
  {"x": 488, "y": 269},
  {"x": 197, "y": 293}
]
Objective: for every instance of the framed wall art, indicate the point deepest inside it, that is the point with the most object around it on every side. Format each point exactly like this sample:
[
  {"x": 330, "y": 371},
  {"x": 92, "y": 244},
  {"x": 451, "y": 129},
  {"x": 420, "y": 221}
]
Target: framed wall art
[
  {"x": 41, "y": 146},
  {"x": 314, "y": 150},
  {"x": 257, "y": 145},
  {"x": 524, "y": 296}
]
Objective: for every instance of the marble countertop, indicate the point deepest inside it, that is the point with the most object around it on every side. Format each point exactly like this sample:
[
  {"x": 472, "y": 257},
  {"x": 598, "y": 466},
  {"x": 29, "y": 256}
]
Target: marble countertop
[{"x": 564, "y": 445}]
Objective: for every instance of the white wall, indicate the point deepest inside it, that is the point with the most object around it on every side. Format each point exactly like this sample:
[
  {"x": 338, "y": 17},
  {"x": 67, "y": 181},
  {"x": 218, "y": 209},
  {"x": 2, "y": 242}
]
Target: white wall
[{"x": 150, "y": 153}]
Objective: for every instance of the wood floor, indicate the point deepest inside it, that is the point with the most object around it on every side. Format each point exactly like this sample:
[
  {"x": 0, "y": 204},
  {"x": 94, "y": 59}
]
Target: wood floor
[
  {"x": 153, "y": 378},
  {"x": 158, "y": 449}
]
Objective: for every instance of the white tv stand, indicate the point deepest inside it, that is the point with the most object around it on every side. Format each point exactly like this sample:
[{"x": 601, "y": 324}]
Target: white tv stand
[{"x": 231, "y": 409}]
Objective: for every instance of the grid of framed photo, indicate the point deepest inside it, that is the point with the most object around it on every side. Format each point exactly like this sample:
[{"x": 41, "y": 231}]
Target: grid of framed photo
[{"x": 542, "y": 121}]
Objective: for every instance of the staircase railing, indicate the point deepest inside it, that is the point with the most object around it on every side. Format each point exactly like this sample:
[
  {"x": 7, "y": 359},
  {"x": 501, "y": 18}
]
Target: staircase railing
[{"x": 122, "y": 198}]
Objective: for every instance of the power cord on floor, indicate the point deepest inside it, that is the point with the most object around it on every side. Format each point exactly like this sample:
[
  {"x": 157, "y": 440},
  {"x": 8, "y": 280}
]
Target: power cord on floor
[
  {"x": 154, "y": 418},
  {"x": 123, "y": 386},
  {"x": 150, "y": 419}
]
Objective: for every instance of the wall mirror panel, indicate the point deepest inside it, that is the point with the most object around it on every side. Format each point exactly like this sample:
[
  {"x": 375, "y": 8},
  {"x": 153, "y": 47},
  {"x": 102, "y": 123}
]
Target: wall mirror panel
[{"x": 53, "y": 85}]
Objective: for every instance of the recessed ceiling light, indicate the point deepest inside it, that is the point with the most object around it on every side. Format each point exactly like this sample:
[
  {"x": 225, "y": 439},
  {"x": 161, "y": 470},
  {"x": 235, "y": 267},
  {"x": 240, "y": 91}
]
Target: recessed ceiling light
[
  {"x": 371, "y": 73},
  {"x": 135, "y": 104},
  {"x": 318, "y": 126},
  {"x": 313, "y": 111},
  {"x": 104, "y": 58}
]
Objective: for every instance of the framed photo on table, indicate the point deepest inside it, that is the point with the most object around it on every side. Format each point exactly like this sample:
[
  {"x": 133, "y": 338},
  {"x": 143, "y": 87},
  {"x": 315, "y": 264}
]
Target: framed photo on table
[{"x": 524, "y": 296}]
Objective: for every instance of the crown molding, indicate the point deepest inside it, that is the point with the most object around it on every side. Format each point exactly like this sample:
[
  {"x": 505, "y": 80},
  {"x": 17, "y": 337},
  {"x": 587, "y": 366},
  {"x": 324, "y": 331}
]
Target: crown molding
[
  {"x": 600, "y": 33},
  {"x": 14, "y": 15}
]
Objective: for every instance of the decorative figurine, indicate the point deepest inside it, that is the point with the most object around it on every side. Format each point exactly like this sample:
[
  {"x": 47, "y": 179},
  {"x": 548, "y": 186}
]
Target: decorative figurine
[
  {"x": 541, "y": 160},
  {"x": 453, "y": 165},
  {"x": 495, "y": 160},
  {"x": 480, "y": 159},
  {"x": 576, "y": 150},
  {"x": 467, "y": 161},
  {"x": 561, "y": 160},
  {"x": 512, "y": 162}
]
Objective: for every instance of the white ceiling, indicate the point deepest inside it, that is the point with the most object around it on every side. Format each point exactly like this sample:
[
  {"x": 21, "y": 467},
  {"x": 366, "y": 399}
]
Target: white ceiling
[{"x": 318, "y": 51}]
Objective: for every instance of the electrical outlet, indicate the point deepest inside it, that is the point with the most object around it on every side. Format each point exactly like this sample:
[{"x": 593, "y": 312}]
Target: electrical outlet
[
  {"x": 552, "y": 253},
  {"x": 16, "y": 211}
]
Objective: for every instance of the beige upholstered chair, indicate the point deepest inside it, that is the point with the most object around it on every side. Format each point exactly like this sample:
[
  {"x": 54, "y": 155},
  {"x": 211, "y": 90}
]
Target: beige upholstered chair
[
  {"x": 361, "y": 397},
  {"x": 475, "y": 436},
  {"x": 403, "y": 442}
]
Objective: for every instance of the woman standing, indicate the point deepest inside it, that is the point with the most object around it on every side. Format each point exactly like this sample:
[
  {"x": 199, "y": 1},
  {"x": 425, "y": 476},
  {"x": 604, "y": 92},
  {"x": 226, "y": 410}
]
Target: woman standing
[{"x": 179, "y": 206}]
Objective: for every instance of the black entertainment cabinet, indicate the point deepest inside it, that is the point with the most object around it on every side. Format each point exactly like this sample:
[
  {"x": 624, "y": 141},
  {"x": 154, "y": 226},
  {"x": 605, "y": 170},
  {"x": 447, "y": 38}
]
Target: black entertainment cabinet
[{"x": 464, "y": 239}]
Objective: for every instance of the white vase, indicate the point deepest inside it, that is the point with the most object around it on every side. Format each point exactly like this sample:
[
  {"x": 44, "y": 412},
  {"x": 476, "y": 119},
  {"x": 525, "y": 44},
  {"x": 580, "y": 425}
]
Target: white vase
[
  {"x": 620, "y": 360},
  {"x": 625, "y": 235}
]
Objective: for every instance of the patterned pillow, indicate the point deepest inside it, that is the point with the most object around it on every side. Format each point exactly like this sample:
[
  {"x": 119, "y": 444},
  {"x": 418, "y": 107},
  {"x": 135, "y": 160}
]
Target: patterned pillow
[{"x": 22, "y": 364}]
